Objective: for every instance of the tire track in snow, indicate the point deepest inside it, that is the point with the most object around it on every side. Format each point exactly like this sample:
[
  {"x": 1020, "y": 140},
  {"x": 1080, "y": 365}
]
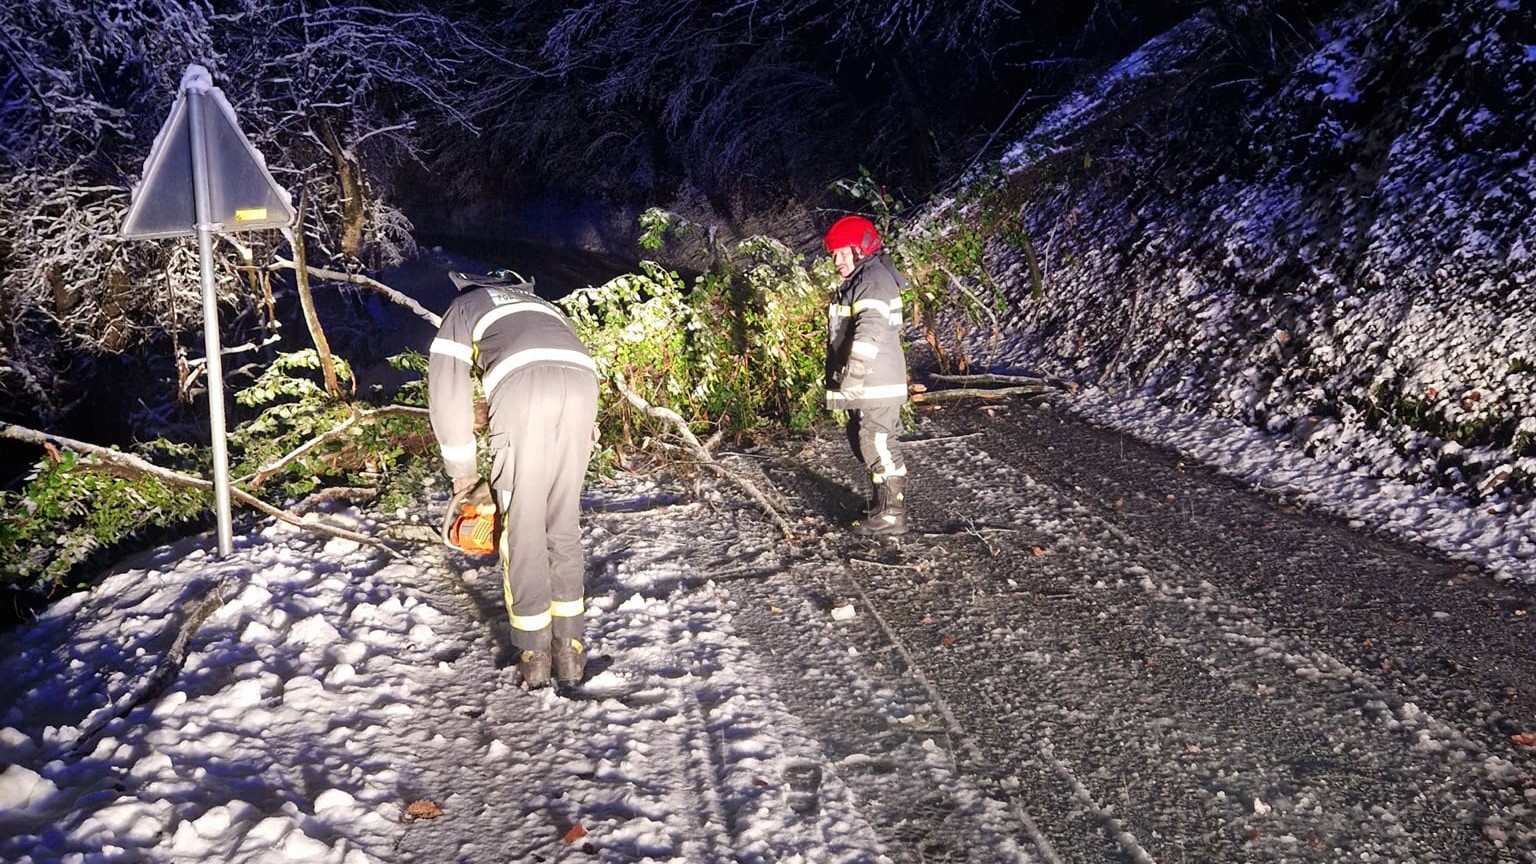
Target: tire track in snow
[{"x": 1133, "y": 599}]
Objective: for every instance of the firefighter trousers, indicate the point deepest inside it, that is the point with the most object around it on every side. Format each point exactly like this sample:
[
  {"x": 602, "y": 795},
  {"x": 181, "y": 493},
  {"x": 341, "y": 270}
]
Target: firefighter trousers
[
  {"x": 542, "y": 423},
  {"x": 872, "y": 434}
]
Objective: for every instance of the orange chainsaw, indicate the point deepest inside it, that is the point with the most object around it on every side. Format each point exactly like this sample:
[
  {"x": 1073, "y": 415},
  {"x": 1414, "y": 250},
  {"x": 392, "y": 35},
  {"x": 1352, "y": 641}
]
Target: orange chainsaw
[
  {"x": 473, "y": 531},
  {"x": 470, "y": 525}
]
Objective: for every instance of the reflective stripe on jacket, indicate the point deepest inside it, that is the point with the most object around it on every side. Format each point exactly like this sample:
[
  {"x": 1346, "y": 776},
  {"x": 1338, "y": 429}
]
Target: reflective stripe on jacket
[
  {"x": 493, "y": 330},
  {"x": 864, "y": 321}
]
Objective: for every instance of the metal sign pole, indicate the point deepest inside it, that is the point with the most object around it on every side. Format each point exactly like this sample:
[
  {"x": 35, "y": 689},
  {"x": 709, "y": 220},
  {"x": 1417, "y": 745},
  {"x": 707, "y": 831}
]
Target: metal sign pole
[
  {"x": 203, "y": 208},
  {"x": 232, "y": 190}
]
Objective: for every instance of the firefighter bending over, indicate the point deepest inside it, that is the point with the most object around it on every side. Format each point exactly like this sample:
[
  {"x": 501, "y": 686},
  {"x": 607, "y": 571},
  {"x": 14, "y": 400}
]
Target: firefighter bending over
[{"x": 541, "y": 387}]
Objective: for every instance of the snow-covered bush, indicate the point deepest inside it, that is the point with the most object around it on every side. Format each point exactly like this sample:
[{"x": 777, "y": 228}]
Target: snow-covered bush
[{"x": 738, "y": 350}]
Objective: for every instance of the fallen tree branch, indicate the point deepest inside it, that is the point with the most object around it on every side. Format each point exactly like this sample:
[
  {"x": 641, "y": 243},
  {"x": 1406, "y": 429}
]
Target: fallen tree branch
[
  {"x": 940, "y": 439},
  {"x": 365, "y": 282},
  {"x": 192, "y": 617},
  {"x": 700, "y": 454},
  {"x": 117, "y": 459},
  {"x": 989, "y": 378},
  {"x": 961, "y": 393},
  {"x": 997, "y": 326}
]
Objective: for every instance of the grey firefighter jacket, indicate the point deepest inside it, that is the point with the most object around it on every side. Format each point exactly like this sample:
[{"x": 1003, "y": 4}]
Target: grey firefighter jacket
[
  {"x": 496, "y": 329},
  {"x": 864, "y": 324}
]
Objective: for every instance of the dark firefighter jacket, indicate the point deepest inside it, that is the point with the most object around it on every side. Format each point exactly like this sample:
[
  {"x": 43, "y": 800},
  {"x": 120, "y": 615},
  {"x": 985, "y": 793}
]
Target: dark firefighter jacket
[
  {"x": 494, "y": 330},
  {"x": 864, "y": 323}
]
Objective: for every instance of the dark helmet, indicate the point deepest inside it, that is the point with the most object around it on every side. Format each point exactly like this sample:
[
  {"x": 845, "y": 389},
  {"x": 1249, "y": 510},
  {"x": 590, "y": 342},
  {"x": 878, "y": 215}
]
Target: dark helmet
[
  {"x": 855, "y": 231},
  {"x": 495, "y": 278}
]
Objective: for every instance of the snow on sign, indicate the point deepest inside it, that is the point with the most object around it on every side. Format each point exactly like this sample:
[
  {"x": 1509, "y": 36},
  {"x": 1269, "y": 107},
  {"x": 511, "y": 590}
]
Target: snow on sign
[
  {"x": 203, "y": 176},
  {"x": 242, "y": 195}
]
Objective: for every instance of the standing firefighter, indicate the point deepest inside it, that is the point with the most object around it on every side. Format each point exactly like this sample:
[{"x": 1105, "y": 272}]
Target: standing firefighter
[
  {"x": 866, "y": 370},
  {"x": 541, "y": 388}
]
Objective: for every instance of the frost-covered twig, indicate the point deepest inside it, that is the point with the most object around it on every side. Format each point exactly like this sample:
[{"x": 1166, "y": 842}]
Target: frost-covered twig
[
  {"x": 700, "y": 453},
  {"x": 997, "y": 326},
  {"x": 371, "y": 284},
  {"x": 196, "y": 363},
  {"x": 991, "y": 378},
  {"x": 973, "y": 531},
  {"x": 937, "y": 439}
]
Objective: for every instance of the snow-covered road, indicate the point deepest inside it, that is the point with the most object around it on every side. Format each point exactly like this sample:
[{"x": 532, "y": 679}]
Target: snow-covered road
[{"x": 1090, "y": 651}]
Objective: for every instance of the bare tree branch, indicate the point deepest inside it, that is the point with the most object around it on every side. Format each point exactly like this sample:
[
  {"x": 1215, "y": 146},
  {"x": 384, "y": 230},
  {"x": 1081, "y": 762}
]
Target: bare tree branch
[
  {"x": 700, "y": 454},
  {"x": 964, "y": 393},
  {"x": 365, "y": 282}
]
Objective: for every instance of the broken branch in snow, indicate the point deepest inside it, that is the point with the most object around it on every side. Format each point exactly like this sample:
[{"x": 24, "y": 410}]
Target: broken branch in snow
[
  {"x": 699, "y": 452},
  {"x": 997, "y": 326},
  {"x": 116, "y": 460},
  {"x": 192, "y": 615},
  {"x": 853, "y": 559}
]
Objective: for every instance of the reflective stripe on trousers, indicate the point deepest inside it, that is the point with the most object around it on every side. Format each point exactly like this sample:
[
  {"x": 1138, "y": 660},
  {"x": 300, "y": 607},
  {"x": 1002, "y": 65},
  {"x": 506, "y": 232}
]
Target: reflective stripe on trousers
[{"x": 872, "y": 435}]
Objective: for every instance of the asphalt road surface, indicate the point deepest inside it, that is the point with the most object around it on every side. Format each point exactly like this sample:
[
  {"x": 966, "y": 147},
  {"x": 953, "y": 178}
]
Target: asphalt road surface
[{"x": 1139, "y": 659}]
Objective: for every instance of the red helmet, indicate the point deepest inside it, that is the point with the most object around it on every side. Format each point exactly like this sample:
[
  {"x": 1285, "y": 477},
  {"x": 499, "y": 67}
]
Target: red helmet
[{"x": 855, "y": 231}]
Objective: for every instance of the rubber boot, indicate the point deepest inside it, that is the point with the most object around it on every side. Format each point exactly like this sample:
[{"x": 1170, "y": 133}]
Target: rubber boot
[
  {"x": 570, "y": 661},
  {"x": 534, "y": 666},
  {"x": 890, "y": 516}
]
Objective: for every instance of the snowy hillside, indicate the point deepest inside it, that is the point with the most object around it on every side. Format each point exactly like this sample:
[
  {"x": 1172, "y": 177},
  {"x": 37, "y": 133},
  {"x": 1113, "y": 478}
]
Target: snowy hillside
[{"x": 1344, "y": 260}]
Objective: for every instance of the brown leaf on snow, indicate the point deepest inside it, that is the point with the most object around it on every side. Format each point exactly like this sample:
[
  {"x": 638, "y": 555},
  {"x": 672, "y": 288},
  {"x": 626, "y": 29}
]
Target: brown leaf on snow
[
  {"x": 424, "y": 808},
  {"x": 576, "y": 833},
  {"x": 1523, "y": 739}
]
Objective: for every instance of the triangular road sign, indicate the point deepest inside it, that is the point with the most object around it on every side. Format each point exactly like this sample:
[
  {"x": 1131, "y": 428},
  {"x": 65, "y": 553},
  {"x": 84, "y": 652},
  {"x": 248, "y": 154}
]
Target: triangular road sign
[{"x": 242, "y": 192}]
